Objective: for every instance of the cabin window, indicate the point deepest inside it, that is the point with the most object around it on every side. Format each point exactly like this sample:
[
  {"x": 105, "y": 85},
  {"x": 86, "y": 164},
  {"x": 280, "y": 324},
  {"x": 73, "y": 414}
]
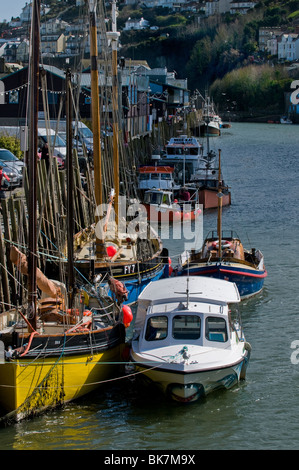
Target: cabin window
[
  {"x": 155, "y": 176},
  {"x": 166, "y": 199},
  {"x": 156, "y": 198},
  {"x": 156, "y": 328},
  {"x": 216, "y": 329},
  {"x": 186, "y": 327},
  {"x": 147, "y": 198},
  {"x": 143, "y": 177},
  {"x": 165, "y": 176}
]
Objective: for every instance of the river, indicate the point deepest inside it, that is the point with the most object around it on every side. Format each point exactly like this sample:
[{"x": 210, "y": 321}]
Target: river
[{"x": 261, "y": 165}]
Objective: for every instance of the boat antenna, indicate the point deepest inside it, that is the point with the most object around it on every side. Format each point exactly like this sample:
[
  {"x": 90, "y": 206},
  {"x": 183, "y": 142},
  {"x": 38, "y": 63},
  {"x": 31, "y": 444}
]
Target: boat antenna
[
  {"x": 219, "y": 218},
  {"x": 187, "y": 292}
]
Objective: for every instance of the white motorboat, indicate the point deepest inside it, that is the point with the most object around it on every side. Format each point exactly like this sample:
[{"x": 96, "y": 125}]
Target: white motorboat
[{"x": 185, "y": 340}]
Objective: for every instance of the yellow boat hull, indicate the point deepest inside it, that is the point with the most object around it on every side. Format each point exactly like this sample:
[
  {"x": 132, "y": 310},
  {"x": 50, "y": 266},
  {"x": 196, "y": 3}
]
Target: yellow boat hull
[{"x": 29, "y": 386}]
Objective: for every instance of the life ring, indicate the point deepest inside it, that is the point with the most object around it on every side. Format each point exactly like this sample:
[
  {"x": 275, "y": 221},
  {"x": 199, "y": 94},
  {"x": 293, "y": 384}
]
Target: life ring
[{"x": 224, "y": 244}]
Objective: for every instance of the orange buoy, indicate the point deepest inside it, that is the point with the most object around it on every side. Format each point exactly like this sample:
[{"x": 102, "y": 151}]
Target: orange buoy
[
  {"x": 111, "y": 251},
  {"x": 127, "y": 315}
]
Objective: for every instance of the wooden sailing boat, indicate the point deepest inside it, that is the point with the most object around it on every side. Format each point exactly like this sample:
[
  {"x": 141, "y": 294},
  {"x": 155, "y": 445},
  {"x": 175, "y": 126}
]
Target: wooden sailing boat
[
  {"x": 63, "y": 345},
  {"x": 133, "y": 256},
  {"x": 223, "y": 256}
]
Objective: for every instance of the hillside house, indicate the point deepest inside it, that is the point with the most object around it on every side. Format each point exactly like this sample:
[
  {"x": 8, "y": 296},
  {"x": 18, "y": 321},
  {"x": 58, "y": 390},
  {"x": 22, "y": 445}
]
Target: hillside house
[
  {"x": 52, "y": 43},
  {"x": 53, "y": 26},
  {"x": 266, "y": 34},
  {"x": 288, "y": 47},
  {"x": 136, "y": 24},
  {"x": 216, "y": 7},
  {"x": 241, "y": 7}
]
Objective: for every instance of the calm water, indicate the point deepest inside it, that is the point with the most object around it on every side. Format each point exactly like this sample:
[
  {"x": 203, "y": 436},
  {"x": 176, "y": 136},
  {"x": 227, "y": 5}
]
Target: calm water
[{"x": 260, "y": 163}]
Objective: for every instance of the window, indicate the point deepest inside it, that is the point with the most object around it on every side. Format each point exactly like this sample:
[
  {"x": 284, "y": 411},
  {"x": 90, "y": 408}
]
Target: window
[
  {"x": 166, "y": 199},
  {"x": 7, "y": 156},
  {"x": 156, "y": 328},
  {"x": 147, "y": 198},
  {"x": 186, "y": 327},
  {"x": 216, "y": 329},
  {"x": 156, "y": 198}
]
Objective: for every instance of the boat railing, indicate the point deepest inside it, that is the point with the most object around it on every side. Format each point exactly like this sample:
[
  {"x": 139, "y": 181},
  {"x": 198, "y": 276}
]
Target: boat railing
[{"x": 235, "y": 322}]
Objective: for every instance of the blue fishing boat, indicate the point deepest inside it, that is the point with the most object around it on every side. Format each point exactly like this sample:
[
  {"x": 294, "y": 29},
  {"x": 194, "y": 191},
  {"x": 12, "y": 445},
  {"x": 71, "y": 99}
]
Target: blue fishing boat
[
  {"x": 227, "y": 259},
  {"x": 223, "y": 256}
]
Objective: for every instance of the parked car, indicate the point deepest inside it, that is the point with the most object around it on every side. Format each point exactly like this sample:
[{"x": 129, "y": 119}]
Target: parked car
[
  {"x": 76, "y": 143},
  {"x": 84, "y": 135},
  {"x": 56, "y": 143},
  {"x": 15, "y": 177},
  {"x": 8, "y": 159}
]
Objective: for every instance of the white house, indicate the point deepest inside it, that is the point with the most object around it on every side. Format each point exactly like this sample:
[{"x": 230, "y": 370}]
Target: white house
[
  {"x": 266, "y": 34},
  {"x": 136, "y": 24},
  {"x": 53, "y": 26},
  {"x": 241, "y": 7},
  {"x": 26, "y": 12},
  {"x": 173, "y": 4},
  {"x": 216, "y": 7},
  {"x": 288, "y": 47}
]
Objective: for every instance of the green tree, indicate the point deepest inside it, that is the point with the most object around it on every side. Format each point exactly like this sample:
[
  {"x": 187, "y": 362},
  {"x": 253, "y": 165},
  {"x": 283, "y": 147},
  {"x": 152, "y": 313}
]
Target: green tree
[{"x": 12, "y": 144}]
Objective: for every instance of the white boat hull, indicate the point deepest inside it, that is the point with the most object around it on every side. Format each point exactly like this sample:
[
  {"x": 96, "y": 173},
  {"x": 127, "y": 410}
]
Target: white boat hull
[
  {"x": 188, "y": 384},
  {"x": 187, "y": 342}
]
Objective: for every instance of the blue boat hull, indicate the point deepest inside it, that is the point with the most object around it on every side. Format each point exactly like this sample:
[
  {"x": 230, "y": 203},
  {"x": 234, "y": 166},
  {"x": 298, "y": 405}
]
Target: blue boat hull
[
  {"x": 248, "y": 281},
  {"x": 135, "y": 286}
]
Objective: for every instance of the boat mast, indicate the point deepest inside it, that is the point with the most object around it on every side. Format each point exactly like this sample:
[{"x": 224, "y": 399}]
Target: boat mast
[
  {"x": 95, "y": 113},
  {"x": 70, "y": 191},
  {"x": 32, "y": 165},
  {"x": 219, "y": 219},
  {"x": 113, "y": 37}
]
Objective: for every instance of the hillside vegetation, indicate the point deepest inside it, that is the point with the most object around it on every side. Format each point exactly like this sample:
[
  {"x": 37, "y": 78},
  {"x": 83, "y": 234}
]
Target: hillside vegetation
[{"x": 220, "y": 54}]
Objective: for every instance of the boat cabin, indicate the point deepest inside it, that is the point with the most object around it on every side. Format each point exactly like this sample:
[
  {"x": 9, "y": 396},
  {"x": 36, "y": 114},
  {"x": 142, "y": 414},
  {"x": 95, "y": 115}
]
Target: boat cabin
[
  {"x": 185, "y": 154},
  {"x": 197, "y": 325},
  {"x": 180, "y": 147},
  {"x": 181, "y": 196},
  {"x": 160, "y": 177},
  {"x": 167, "y": 315},
  {"x": 158, "y": 197}
]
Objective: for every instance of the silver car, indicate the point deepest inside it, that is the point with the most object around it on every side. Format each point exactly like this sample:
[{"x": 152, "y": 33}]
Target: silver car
[
  {"x": 13, "y": 163},
  {"x": 15, "y": 177}
]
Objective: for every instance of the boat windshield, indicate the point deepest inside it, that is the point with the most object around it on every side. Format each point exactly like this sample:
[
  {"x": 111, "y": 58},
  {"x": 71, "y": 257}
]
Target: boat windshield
[
  {"x": 143, "y": 176},
  {"x": 153, "y": 198},
  {"x": 186, "y": 327},
  {"x": 156, "y": 328},
  {"x": 216, "y": 329}
]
